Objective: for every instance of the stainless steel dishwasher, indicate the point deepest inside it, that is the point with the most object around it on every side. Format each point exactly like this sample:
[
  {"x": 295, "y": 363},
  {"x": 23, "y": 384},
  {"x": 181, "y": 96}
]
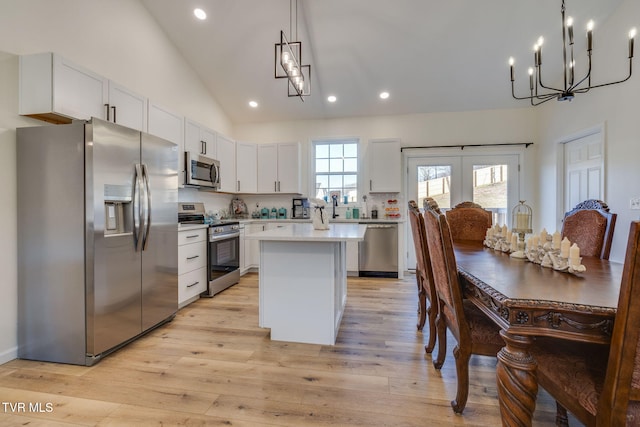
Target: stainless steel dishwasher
[{"x": 378, "y": 252}]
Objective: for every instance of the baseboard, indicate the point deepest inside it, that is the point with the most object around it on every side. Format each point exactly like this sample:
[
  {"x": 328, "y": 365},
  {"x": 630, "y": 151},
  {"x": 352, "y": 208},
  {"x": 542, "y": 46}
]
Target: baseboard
[{"x": 8, "y": 355}]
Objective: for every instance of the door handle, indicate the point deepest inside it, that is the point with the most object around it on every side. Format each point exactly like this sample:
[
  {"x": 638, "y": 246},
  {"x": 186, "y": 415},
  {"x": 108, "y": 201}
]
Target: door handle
[
  {"x": 113, "y": 107},
  {"x": 192, "y": 285},
  {"x": 203, "y": 147},
  {"x": 107, "y": 108},
  {"x": 193, "y": 257},
  {"x": 137, "y": 212},
  {"x": 145, "y": 176},
  {"x": 193, "y": 236},
  {"x": 238, "y": 188}
]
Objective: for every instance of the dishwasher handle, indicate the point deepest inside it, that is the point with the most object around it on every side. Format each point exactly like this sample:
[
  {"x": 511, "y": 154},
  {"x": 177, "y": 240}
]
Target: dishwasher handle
[{"x": 380, "y": 226}]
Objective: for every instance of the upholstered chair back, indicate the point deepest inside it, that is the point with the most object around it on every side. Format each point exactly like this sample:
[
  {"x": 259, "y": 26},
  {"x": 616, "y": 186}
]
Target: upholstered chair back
[
  {"x": 590, "y": 225},
  {"x": 468, "y": 221}
]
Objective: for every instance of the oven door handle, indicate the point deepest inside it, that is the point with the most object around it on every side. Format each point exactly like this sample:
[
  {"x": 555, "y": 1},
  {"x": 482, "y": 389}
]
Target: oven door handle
[{"x": 224, "y": 237}]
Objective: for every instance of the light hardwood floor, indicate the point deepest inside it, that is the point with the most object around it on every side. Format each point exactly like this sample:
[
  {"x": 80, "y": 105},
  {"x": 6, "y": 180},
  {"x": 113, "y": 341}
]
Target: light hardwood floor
[{"x": 213, "y": 365}]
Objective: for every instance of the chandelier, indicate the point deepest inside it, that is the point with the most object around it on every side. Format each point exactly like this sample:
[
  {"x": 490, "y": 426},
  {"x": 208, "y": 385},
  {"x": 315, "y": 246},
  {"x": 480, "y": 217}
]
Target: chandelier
[
  {"x": 288, "y": 60},
  {"x": 539, "y": 92}
]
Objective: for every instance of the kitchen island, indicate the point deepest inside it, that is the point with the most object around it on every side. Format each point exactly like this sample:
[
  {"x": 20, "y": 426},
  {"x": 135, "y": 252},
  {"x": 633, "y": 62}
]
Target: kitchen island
[{"x": 303, "y": 280}]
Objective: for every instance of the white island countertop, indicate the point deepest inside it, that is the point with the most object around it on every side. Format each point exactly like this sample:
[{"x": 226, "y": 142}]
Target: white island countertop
[{"x": 295, "y": 232}]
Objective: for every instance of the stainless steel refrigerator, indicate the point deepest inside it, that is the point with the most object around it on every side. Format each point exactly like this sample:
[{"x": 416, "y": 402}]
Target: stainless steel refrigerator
[{"x": 97, "y": 238}]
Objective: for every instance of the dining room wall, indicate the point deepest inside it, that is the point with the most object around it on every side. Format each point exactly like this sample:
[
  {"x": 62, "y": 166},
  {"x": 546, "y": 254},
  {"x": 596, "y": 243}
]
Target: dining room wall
[
  {"x": 613, "y": 107},
  {"x": 470, "y": 127}
]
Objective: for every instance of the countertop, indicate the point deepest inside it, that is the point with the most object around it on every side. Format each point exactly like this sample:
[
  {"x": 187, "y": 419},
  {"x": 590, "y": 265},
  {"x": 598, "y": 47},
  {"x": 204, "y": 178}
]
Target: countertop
[
  {"x": 186, "y": 227},
  {"x": 331, "y": 221},
  {"x": 304, "y": 232}
]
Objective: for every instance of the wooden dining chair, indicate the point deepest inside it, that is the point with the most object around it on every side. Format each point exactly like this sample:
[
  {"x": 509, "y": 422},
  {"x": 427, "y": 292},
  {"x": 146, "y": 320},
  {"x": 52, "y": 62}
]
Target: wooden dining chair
[
  {"x": 599, "y": 384},
  {"x": 474, "y": 332},
  {"x": 590, "y": 225},
  {"x": 469, "y": 221},
  {"x": 424, "y": 277}
]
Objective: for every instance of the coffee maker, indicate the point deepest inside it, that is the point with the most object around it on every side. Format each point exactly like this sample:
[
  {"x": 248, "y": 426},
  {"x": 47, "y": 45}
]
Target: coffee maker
[{"x": 300, "y": 208}]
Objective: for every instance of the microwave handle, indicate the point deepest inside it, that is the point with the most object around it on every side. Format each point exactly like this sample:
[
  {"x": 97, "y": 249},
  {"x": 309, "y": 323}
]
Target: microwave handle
[{"x": 215, "y": 174}]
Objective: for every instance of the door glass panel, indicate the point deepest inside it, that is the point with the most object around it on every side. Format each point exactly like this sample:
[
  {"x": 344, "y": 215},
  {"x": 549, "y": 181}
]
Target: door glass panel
[
  {"x": 490, "y": 183},
  {"x": 435, "y": 182}
]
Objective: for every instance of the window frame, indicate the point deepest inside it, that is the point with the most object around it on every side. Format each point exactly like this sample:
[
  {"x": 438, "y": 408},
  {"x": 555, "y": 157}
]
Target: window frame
[{"x": 312, "y": 162}]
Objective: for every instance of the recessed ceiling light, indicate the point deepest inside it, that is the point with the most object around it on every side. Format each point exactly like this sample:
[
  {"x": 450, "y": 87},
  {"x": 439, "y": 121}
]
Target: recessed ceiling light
[
  {"x": 200, "y": 14},
  {"x": 331, "y": 98},
  {"x": 384, "y": 95},
  {"x": 253, "y": 104}
]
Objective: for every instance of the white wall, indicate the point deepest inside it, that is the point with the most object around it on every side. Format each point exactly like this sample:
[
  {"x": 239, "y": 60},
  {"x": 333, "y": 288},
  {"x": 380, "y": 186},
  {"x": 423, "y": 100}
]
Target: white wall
[
  {"x": 474, "y": 127},
  {"x": 617, "y": 108},
  {"x": 117, "y": 39}
]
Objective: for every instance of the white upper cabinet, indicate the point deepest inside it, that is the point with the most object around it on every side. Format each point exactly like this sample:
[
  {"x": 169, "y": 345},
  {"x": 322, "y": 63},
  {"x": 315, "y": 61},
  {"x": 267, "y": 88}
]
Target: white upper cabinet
[
  {"x": 279, "y": 168},
  {"x": 246, "y": 167},
  {"x": 56, "y": 90},
  {"x": 199, "y": 140},
  {"x": 226, "y": 154},
  {"x": 385, "y": 166},
  {"x": 289, "y": 168},
  {"x": 168, "y": 125},
  {"x": 126, "y": 108},
  {"x": 267, "y": 168}
]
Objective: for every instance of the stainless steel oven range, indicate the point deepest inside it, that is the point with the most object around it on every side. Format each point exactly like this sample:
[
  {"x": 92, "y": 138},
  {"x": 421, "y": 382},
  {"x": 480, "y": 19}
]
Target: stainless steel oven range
[{"x": 224, "y": 256}]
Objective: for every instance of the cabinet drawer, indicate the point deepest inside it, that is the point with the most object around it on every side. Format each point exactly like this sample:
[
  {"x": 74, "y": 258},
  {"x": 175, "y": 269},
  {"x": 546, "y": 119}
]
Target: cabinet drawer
[
  {"x": 192, "y": 257},
  {"x": 192, "y": 236},
  {"x": 191, "y": 284}
]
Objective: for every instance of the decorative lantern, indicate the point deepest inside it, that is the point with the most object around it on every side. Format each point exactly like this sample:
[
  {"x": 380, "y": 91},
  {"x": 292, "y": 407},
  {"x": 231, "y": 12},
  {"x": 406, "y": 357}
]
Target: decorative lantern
[{"x": 521, "y": 225}]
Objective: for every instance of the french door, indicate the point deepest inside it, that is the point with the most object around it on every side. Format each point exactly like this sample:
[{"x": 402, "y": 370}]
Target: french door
[{"x": 492, "y": 181}]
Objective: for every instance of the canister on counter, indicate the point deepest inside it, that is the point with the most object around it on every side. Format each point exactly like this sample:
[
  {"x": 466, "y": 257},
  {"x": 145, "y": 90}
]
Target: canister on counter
[{"x": 355, "y": 213}]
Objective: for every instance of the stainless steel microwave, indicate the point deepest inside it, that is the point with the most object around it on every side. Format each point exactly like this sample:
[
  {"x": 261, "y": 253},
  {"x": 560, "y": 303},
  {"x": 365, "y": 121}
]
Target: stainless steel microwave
[{"x": 202, "y": 171}]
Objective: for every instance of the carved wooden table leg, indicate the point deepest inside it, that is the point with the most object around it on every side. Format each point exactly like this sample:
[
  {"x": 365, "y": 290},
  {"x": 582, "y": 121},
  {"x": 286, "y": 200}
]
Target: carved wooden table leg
[{"x": 517, "y": 381}]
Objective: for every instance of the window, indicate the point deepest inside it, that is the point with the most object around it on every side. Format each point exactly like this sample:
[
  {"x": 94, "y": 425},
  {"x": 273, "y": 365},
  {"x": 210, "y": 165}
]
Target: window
[{"x": 336, "y": 169}]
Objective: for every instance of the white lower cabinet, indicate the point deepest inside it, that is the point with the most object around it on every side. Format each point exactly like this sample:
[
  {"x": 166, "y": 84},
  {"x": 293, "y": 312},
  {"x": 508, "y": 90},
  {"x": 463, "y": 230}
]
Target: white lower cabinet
[{"x": 192, "y": 265}]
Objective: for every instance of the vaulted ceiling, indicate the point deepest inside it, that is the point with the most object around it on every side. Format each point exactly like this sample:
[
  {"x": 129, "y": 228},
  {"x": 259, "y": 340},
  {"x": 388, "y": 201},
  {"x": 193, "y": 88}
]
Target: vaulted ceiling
[{"x": 430, "y": 55}]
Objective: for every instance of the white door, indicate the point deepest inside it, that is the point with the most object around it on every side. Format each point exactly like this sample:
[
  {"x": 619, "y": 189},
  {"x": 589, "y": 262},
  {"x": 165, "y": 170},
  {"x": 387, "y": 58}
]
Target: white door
[
  {"x": 489, "y": 180},
  {"x": 583, "y": 169}
]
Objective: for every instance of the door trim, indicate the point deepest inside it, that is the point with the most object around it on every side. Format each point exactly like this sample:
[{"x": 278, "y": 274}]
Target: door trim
[{"x": 560, "y": 166}]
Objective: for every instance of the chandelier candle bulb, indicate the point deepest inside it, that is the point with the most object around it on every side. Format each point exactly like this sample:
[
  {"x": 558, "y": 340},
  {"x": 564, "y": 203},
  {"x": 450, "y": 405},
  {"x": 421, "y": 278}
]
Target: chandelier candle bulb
[
  {"x": 511, "y": 61},
  {"x": 590, "y": 36},
  {"x": 570, "y": 29},
  {"x": 530, "y": 78},
  {"x": 564, "y": 248},
  {"x": 632, "y": 35}
]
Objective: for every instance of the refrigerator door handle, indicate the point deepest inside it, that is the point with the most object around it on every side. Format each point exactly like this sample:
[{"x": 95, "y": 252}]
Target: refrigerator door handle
[
  {"x": 147, "y": 226},
  {"x": 137, "y": 212}
]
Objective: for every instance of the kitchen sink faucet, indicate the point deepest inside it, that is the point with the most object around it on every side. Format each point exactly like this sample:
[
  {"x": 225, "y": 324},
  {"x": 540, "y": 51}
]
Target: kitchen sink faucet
[{"x": 334, "y": 198}]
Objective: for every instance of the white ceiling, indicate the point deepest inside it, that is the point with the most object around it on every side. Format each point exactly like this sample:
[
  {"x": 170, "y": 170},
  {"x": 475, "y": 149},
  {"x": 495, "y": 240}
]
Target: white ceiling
[{"x": 430, "y": 55}]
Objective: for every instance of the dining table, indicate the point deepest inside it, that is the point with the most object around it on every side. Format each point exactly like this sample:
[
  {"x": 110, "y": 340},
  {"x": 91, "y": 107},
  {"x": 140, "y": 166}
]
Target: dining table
[{"x": 527, "y": 300}]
